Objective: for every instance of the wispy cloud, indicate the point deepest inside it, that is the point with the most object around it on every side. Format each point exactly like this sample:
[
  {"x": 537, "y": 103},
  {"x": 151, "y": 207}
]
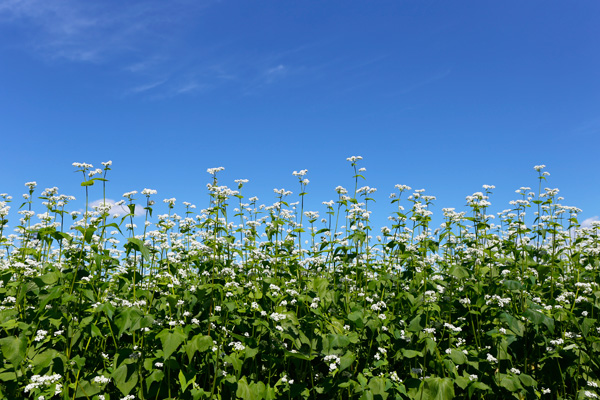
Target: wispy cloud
[
  {"x": 267, "y": 76},
  {"x": 587, "y": 223},
  {"x": 147, "y": 87},
  {"x": 588, "y": 127},
  {"x": 93, "y": 31},
  {"x": 435, "y": 77},
  {"x": 272, "y": 74},
  {"x": 149, "y": 42},
  {"x": 189, "y": 87}
]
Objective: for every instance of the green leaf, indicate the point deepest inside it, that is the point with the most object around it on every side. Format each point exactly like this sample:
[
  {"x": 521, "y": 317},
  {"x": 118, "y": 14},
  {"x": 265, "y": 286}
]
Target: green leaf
[
  {"x": 462, "y": 382},
  {"x": 357, "y": 318},
  {"x": 377, "y": 386},
  {"x": 511, "y": 383},
  {"x": 156, "y": 376},
  {"x": 538, "y": 318},
  {"x": 513, "y": 285},
  {"x": 138, "y": 245},
  {"x": 88, "y": 183},
  {"x": 243, "y": 390},
  {"x": 587, "y": 324},
  {"x": 107, "y": 308},
  {"x": 96, "y": 331},
  {"x": 61, "y": 235},
  {"x": 55, "y": 293},
  {"x": 112, "y": 225},
  {"x": 411, "y": 353},
  {"x": 459, "y": 272},
  {"x": 125, "y": 377},
  {"x": 126, "y": 318},
  {"x": 298, "y": 355},
  {"x": 260, "y": 390},
  {"x": 514, "y": 324},
  {"x": 416, "y": 325},
  {"x": 332, "y": 341},
  {"x": 438, "y": 388},
  {"x": 320, "y": 286},
  {"x": 346, "y": 361},
  {"x": 171, "y": 340},
  {"x": 87, "y": 389},
  {"x": 89, "y": 233},
  {"x": 13, "y": 349},
  {"x": 185, "y": 379},
  {"x": 527, "y": 380},
  {"x": 43, "y": 359},
  {"x": 249, "y": 352},
  {"x": 50, "y": 278},
  {"x": 478, "y": 386},
  {"x": 198, "y": 343},
  {"x": 458, "y": 356}
]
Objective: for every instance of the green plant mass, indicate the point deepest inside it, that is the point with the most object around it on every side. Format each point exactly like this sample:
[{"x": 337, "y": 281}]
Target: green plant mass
[{"x": 241, "y": 300}]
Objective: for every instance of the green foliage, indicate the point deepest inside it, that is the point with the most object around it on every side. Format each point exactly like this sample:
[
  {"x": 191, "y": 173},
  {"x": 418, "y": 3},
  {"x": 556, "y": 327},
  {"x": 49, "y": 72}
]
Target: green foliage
[{"x": 203, "y": 308}]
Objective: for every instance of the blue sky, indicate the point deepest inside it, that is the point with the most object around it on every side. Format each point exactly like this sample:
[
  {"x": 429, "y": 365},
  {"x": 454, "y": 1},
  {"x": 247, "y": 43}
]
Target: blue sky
[{"x": 441, "y": 95}]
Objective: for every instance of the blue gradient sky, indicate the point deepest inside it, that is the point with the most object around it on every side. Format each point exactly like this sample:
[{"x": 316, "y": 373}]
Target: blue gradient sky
[{"x": 441, "y": 95}]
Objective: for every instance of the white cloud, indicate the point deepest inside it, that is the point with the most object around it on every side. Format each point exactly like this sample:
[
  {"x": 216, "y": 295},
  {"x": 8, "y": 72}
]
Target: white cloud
[
  {"x": 189, "y": 87},
  {"x": 587, "y": 223},
  {"x": 95, "y": 31},
  {"x": 278, "y": 70},
  {"x": 120, "y": 210},
  {"x": 146, "y": 87},
  {"x": 151, "y": 41}
]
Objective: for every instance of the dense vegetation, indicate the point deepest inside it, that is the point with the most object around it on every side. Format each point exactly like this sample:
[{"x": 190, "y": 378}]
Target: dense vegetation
[{"x": 263, "y": 302}]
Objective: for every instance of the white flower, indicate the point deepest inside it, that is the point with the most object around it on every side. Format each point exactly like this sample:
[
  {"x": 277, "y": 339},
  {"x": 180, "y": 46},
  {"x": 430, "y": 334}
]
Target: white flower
[
  {"x": 40, "y": 335},
  {"x": 238, "y": 346},
  {"x": 101, "y": 379},
  {"x": 213, "y": 171},
  {"x": 452, "y": 327},
  {"x": 277, "y": 317},
  {"x": 491, "y": 358},
  {"x": 335, "y": 361}
]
